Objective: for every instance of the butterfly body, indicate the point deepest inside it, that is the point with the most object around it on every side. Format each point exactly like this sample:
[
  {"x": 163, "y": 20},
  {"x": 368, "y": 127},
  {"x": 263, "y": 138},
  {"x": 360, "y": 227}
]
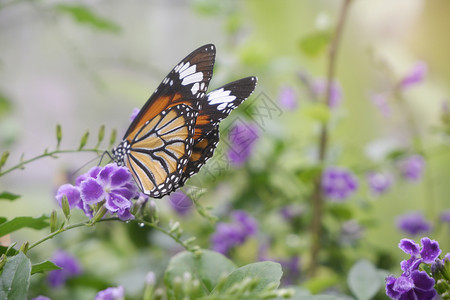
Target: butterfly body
[{"x": 177, "y": 130}]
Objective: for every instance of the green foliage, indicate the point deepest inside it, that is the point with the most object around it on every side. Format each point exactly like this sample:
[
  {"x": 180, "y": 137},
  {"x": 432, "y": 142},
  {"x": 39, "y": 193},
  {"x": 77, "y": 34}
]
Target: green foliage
[
  {"x": 86, "y": 16},
  {"x": 8, "y": 196},
  {"x": 315, "y": 43},
  {"x": 207, "y": 267},
  {"x": 23, "y": 222},
  {"x": 3, "y": 158},
  {"x": 15, "y": 277},
  {"x": 58, "y": 135},
  {"x": 44, "y": 266},
  {"x": 5, "y": 105},
  {"x": 84, "y": 140},
  {"x": 265, "y": 273},
  {"x": 364, "y": 280}
]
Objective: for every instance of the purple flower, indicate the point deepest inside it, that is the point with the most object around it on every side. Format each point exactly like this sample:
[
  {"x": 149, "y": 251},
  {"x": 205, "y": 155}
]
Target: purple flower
[
  {"x": 319, "y": 87},
  {"x": 69, "y": 268},
  {"x": 112, "y": 184},
  {"x": 413, "y": 223},
  {"x": 416, "y": 75},
  {"x": 445, "y": 216},
  {"x": 338, "y": 183},
  {"x": 381, "y": 102},
  {"x": 134, "y": 114},
  {"x": 287, "y": 98},
  {"x": 41, "y": 298},
  {"x": 242, "y": 137},
  {"x": 229, "y": 235},
  {"x": 416, "y": 286},
  {"x": 180, "y": 202},
  {"x": 412, "y": 167},
  {"x": 379, "y": 182},
  {"x": 111, "y": 293}
]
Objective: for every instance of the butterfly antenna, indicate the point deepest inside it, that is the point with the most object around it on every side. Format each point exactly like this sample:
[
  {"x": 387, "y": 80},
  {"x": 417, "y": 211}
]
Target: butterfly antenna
[{"x": 90, "y": 161}]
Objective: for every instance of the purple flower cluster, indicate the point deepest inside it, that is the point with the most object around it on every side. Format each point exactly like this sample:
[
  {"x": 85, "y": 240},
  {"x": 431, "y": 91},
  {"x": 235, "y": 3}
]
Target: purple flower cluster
[
  {"x": 338, "y": 183},
  {"x": 412, "y": 167},
  {"x": 379, "y": 182},
  {"x": 180, "y": 203},
  {"x": 415, "y": 76},
  {"x": 413, "y": 223},
  {"x": 287, "y": 98},
  {"x": 229, "y": 235},
  {"x": 242, "y": 137},
  {"x": 69, "y": 265},
  {"x": 111, "y": 184},
  {"x": 414, "y": 284},
  {"x": 111, "y": 293},
  {"x": 319, "y": 89}
]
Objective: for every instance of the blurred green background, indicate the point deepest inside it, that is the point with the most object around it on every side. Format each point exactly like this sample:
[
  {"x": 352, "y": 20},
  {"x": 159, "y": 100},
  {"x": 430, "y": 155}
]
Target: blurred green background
[{"x": 90, "y": 67}]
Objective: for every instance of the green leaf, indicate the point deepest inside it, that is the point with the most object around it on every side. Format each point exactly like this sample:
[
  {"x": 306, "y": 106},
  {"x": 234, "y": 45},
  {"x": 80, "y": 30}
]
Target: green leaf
[
  {"x": 3, "y": 220},
  {"x": 22, "y": 222},
  {"x": 15, "y": 278},
  {"x": 85, "y": 16},
  {"x": 318, "y": 112},
  {"x": 112, "y": 138},
  {"x": 101, "y": 135},
  {"x": 8, "y": 196},
  {"x": 58, "y": 135},
  {"x": 266, "y": 272},
  {"x": 44, "y": 266},
  {"x": 3, "y": 158},
  {"x": 5, "y": 105},
  {"x": 314, "y": 43},
  {"x": 208, "y": 267},
  {"x": 84, "y": 140},
  {"x": 364, "y": 280},
  {"x": 11, "y": 251}
]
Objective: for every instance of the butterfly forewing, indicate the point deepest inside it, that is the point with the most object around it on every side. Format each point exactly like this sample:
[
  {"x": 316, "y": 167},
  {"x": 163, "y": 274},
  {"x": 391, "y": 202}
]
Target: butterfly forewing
[
  {"x": 187, "y": 83},
  {"x": 218, "y": 104},
  {"x": 160, "y": 149}
]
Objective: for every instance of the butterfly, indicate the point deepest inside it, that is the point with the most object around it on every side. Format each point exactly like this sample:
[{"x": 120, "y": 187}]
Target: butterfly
[{"x": 177, "y": 129}]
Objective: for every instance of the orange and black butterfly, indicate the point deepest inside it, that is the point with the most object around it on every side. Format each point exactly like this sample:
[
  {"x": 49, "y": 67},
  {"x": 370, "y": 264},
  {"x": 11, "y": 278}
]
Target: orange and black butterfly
[{"x": 177, "y": 130}]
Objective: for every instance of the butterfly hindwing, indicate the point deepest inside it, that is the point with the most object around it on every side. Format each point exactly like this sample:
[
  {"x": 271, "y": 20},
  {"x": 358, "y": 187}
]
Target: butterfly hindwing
[
  {"x": 202, "y": 150},
  {"x": 187, "y": 83},
  {"x": 160, "y": 150},
  {"x": 218, "y": 104}
]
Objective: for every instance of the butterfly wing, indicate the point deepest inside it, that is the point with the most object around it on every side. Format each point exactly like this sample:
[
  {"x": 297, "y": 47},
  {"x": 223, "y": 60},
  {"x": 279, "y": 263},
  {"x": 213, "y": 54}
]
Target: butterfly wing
[
  {"x": 160, "y": 150},
  {"x": 217, "y": 106},
  {"x": 187, "y": 83}
]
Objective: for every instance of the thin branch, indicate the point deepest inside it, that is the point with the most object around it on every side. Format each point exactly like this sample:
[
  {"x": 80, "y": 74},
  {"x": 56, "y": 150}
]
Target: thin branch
[
  {"x": 46, "y": 154},
  {"x": 317, "y": 196}
]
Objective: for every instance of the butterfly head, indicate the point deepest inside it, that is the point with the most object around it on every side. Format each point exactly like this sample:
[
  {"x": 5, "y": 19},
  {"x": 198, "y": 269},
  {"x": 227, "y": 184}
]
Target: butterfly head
[{"x": 120, "y": 152}]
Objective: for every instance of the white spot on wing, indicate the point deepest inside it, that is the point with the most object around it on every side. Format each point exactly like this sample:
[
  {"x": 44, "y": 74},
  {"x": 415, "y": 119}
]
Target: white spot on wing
[
  {"x": 196, "y": 77},
  {"x": 188, "y": 71},
  {"x": 220, "y": 96},
  {"x": 195, "y": 88}
]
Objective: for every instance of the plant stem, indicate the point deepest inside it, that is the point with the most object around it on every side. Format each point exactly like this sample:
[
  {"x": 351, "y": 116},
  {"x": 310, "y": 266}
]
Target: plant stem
[
  {"x": 66, "y": 228},
  {"x": 46, "y": 154},
  {"x": 317, "y": 196}
]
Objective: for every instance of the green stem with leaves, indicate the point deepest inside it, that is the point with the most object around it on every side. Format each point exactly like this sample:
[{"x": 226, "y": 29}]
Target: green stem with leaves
[
  {"x": 46, "y": 153},
  {"x": 317, "y": 196}
]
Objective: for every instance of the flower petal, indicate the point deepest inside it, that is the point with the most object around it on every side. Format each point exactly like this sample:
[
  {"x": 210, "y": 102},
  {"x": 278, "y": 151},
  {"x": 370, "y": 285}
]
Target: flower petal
[
  {"x": 115, "y": 202},
  {"x": 409, "y": 247},
  {"x": 430, "y": 250},
  {"x": 91, "y": 191},
  {"x": 120, "y": 176},
  {"x": 71, "y": 192}
]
